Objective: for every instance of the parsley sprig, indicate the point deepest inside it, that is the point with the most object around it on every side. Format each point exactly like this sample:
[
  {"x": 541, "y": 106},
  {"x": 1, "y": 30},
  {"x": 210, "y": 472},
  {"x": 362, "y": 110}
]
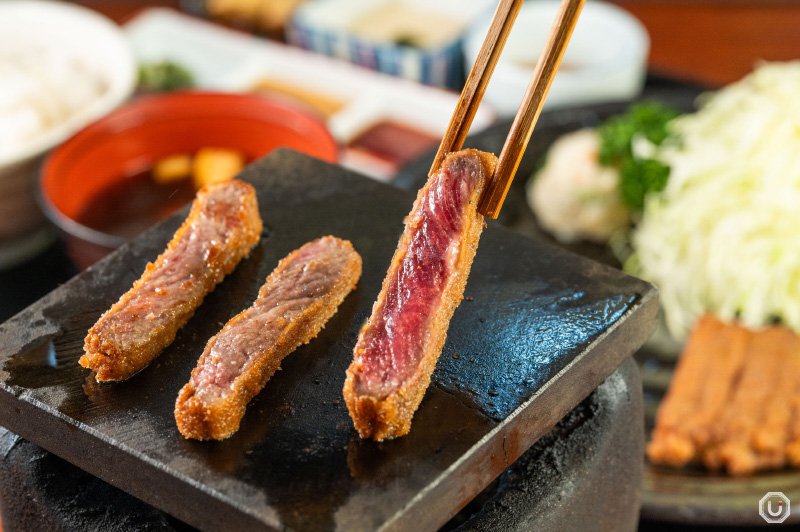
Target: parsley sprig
[{"x": 638, "y": 176}]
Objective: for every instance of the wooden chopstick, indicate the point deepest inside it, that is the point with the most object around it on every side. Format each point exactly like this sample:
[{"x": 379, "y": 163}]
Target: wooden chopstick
[
  {"x": 479, "y": 76},
  {"x": 528, "y": 113}
]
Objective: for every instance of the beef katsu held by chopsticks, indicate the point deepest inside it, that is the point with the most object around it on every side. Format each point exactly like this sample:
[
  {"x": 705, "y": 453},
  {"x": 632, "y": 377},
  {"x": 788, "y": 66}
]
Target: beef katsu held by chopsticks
[
  {"x": 398, "y": 348},
  {"x": 294, "y": 304},
  {"x": 221, "y": 229}
]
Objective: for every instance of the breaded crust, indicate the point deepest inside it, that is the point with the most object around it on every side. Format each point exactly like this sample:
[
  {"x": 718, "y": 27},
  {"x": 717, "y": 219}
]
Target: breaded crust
[
  {"x": 222, "y": 227},
  {"x": 731, "y": 402},
  {"x": 198, "y": 418},
  {"x": 389, "y": 417}
]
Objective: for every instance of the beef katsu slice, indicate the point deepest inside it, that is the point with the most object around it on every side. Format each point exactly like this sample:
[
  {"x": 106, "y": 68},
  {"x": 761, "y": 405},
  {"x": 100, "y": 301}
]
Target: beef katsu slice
[
  {"x": 293, "y": 305},
  {"x": 398, "y": 348},
  {"x": 222, "y": 227}
]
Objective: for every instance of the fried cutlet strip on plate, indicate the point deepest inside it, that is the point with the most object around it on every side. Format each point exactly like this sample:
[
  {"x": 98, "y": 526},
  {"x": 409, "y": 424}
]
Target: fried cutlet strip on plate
[
  {"x": 672, "y": 442},
  {"x": 294, "y": 304},
  {"x": 222, "y": 227}
]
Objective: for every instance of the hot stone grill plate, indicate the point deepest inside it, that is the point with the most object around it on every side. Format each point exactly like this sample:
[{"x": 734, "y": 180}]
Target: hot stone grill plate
[
  {"x": 585, "y": 474},
  {"x": 540, "y": 329}
]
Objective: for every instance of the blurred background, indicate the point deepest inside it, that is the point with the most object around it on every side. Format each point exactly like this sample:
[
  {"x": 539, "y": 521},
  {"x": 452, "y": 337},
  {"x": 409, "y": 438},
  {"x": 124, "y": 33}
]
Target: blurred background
[
  {"x": 381, "y": 80},
  {"x": 114, "y": 112}
]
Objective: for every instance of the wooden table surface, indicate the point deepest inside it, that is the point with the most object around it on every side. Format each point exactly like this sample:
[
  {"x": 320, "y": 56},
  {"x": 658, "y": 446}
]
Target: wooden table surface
[
  {"x": 712, "y": 42},
  {"x": 717, "y": 42}
]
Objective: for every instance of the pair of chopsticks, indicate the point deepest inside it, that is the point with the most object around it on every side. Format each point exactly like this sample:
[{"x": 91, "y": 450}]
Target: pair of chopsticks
[{"x": 528, "y": 113}]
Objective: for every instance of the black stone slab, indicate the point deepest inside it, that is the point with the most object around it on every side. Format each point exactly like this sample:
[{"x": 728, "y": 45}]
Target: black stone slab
[
  {"x": 552, "y": 487},
  {"x": 584, "y": 475},
  {"x": 540, "y": 330}
]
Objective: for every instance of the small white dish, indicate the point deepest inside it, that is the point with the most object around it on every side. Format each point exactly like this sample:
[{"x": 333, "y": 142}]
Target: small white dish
[{"x": 606, "y": 59}]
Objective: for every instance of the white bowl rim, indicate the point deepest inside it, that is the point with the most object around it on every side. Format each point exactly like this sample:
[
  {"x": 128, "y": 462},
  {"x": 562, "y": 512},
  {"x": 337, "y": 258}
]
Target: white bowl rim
[
  {"x": 623, "y": 20},
  {"x": 120, "y": 87}
]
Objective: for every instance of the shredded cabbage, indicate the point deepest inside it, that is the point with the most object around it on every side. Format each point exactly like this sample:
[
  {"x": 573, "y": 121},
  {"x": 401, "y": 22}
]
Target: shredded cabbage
[{"x": 724, "y": 235}]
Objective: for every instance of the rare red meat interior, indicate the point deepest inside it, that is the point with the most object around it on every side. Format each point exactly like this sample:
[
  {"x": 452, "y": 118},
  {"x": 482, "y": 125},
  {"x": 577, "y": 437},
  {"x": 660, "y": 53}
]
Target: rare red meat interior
[{"x": 398, "y": 348}]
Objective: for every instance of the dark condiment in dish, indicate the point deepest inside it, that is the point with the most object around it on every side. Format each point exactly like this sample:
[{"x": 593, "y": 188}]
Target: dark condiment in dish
[
  {"x": 393, "y": 142},
  {"x": 131, "y": 205}
]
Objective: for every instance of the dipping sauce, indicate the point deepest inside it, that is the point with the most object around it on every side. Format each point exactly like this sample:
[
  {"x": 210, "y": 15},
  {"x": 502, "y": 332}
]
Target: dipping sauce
[
  {"x": 393, "y": 142},
  {"x": 133, "y": 204},
  {"x": 127, "y": 207}
]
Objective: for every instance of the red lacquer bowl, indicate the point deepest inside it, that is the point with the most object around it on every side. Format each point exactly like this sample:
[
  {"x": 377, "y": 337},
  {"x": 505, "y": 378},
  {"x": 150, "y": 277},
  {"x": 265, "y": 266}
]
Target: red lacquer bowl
[{"x": 132, "y": 138}]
